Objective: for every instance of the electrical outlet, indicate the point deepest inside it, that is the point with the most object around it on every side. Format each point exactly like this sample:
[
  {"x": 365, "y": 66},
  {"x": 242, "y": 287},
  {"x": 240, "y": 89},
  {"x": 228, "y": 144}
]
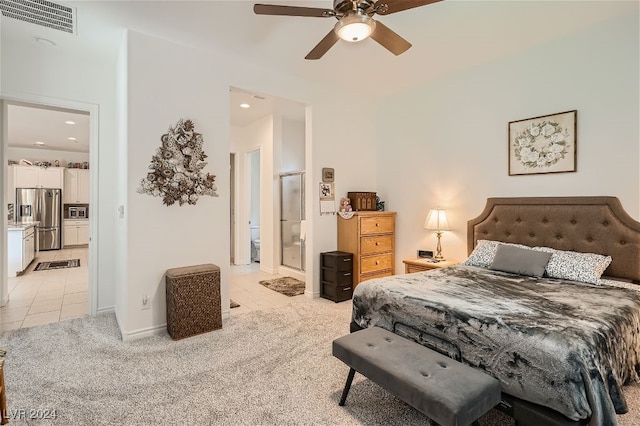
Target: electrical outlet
[{"x": 146, "y": 301}]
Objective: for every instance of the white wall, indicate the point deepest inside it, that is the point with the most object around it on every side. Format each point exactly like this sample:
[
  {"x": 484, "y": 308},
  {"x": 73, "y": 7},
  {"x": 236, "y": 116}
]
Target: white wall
[
  {"x": 30, "y": 71},
  {"x": 254, "y": 211},
  {"x": 122, "y": 142},
  {"x": 292, "y": 145},
  {"x": 33, "y": 155},
  {"x": 162, "y": 237},
  {"x": 4, "y": 277},
  {"x": 446, "y": 143}
]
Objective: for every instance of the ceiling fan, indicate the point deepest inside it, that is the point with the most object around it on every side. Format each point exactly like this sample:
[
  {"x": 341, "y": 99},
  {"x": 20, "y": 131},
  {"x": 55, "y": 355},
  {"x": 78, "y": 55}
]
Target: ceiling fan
[{"x": 355, "y": 22}]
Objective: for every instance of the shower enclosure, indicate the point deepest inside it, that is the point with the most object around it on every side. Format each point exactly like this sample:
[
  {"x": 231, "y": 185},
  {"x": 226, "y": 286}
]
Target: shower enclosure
[{"x": 292, "y": 220}]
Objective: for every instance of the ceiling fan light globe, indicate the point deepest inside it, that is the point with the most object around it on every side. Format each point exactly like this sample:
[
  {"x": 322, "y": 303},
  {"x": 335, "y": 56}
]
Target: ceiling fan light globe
[{"x": 355, "y": 28}]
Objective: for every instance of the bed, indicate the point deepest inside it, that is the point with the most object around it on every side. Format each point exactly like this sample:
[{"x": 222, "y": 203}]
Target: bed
[{"x": 561, "y": 348}]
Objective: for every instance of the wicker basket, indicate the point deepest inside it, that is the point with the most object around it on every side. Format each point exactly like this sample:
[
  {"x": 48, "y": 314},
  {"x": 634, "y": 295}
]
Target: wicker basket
[
  {"x": 193, "y": 300},
  {"x": 362, "y": 201}
]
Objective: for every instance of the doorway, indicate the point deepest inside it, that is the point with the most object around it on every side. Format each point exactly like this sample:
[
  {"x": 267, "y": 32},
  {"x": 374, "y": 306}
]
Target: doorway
[
  {"x": 38, "y": 297},
  {"x": 254, "y": 205}
]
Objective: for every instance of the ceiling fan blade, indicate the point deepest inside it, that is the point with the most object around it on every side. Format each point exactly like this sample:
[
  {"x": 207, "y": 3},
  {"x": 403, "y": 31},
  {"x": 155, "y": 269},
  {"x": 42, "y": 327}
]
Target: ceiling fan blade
[
  {"x": 325, "y": 44},
  {"x": 313, "y": 12},
  {"x": 389, "y": 39},
  {"x": 394, "y": 6}
]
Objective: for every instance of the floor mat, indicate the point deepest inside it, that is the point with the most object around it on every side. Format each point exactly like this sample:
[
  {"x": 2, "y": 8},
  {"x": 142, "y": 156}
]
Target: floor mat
[
  {"x": 286, "y": 285},
  {"x": 57, "y": 264}
]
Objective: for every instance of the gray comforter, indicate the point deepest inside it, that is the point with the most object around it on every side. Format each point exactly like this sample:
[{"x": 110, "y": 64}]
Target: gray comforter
[{"x": 565, "y": 345}]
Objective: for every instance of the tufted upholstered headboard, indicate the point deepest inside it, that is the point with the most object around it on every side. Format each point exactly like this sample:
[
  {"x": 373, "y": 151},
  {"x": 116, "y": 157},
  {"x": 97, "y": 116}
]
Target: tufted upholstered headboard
[{"x": 584, "y": 224}]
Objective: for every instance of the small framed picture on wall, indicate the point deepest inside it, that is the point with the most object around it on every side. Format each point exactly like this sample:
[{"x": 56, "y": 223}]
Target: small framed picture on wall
[{"x": 545, "y": 144}]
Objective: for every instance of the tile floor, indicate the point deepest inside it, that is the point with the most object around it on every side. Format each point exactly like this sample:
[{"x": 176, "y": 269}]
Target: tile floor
[
  {"x": 251, "y": 295},
  {"x": 43, "y": 297}
]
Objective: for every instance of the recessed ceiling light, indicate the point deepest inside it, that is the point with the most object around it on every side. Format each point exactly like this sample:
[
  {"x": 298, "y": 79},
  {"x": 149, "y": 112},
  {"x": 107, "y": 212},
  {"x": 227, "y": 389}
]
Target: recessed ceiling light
[
  {"x": 245, "y": 106},
  {"x": 38, "y": 143},
  {"x": 69, "y": 122},
  {"x": 71, "y": 138},
  {"x": 45, "y": 42}
]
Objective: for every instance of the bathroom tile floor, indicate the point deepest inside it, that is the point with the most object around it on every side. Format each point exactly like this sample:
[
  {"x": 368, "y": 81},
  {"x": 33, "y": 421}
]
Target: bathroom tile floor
[
  {"x": 245, "y": 289},
  {"x": 43, "y": 297}
]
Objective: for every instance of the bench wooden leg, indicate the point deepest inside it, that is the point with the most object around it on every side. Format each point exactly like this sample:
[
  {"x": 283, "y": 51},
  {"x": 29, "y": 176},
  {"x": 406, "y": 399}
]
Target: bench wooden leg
[
  {"x": 347, "y": 386},
  {"x": 4, "y": 418}
]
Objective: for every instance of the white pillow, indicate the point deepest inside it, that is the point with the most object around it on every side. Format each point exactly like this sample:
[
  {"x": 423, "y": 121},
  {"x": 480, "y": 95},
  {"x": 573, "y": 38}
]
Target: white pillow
[
  {"x": 575, "y": 266},
  {"x": 485, "y": 252}
]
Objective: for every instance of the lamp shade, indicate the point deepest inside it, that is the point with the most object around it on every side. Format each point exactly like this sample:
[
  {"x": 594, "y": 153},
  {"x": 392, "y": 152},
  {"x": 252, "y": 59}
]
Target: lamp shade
[{"x": 437, "y": 220}]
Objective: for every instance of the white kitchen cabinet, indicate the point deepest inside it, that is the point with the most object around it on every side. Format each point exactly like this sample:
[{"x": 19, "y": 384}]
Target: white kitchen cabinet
[
  {"x": 22, "y": 249},
  {"x": 36, "y": 177},
  {"x": 76, "y": 186},
  {"x": 75, "y": 232}
]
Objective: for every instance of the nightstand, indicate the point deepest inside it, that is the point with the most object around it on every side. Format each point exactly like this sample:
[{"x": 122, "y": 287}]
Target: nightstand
[{"x": 420, "y": 264}]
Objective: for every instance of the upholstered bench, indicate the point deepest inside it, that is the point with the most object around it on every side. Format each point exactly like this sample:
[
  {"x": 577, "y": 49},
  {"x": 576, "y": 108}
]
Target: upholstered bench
[{"x": 446, "y": 391}]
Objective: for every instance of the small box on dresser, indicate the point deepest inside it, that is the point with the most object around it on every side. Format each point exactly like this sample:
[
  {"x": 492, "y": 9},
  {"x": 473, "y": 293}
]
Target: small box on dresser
[{"x": 336, "y": 275}]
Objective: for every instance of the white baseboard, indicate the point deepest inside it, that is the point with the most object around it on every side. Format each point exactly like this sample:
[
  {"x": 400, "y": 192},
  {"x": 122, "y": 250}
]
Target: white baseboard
[
  {"x": 270, "y": 271},
  {"x": 106, "y": 310},
  {"x": 312, "y": 294},
  {"x": 154, "y": 330},
  {"x": 143, "y": 332},
  {"x": 299, "y": 275}
]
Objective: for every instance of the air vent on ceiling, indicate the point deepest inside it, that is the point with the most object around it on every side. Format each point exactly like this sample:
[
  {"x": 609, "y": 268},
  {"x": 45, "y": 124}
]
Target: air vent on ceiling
[{"x": 41, "y": 12}]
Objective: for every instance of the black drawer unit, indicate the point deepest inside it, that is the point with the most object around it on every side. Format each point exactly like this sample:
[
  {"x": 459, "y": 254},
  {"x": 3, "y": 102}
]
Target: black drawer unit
[{"x": 336, "y": 275}]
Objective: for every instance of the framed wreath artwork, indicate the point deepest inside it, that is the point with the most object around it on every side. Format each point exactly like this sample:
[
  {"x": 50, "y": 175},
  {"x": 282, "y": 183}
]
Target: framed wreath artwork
[{"x": 545, "y": 144}]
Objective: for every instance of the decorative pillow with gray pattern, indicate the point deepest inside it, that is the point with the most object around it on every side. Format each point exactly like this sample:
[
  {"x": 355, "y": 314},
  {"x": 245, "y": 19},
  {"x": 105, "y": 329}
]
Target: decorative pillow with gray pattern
[{"x": 575, "y": 266}]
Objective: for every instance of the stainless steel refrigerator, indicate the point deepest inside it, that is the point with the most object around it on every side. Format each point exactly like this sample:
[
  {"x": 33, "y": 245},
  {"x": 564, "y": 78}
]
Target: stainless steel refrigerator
[{"x": 45, "y": 206}]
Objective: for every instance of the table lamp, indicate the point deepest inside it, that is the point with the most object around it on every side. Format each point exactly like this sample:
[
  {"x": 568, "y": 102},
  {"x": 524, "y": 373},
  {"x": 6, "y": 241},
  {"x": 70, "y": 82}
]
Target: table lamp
[{"x": 437, "y": 221}]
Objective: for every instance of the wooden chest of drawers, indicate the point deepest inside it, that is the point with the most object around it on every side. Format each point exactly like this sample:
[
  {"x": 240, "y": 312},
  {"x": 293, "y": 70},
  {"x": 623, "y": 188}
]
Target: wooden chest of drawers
[{"x": 370, "y": 236}]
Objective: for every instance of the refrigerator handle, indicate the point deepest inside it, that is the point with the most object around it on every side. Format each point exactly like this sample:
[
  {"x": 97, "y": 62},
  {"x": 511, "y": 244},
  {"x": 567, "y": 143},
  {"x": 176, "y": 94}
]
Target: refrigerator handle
[{"x": 38, "y": 204}]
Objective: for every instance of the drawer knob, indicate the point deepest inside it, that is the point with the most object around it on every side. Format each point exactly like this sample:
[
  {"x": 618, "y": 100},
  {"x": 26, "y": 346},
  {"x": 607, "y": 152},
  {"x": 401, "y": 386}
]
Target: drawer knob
[
  {"x": 346, "y": 260},
  {"x": 377, "y": 224},
  {"x": 377, "y": 243},
  {"x": 377, "y": 262},
  {"x": 346, "y": 289},
  {"x": 347, "y": 274}
]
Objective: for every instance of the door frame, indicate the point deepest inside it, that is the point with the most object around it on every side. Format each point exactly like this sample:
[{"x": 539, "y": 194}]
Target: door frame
[{"x": 93, "y": 110}]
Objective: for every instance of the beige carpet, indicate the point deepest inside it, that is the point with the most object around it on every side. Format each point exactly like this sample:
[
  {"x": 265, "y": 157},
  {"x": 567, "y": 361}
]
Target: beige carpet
[
  {"x": 270, "y": 367},
  {"x": 286, "y": 285}
]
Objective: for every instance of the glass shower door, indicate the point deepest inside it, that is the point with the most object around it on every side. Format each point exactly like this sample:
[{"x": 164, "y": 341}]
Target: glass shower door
[{"x": 291, "y": 220}]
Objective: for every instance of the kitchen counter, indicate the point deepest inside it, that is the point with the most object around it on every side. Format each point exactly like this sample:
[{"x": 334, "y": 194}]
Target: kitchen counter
[
  {"x": 21, "y": 226},
  {"x": 21, "y": 245}
]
